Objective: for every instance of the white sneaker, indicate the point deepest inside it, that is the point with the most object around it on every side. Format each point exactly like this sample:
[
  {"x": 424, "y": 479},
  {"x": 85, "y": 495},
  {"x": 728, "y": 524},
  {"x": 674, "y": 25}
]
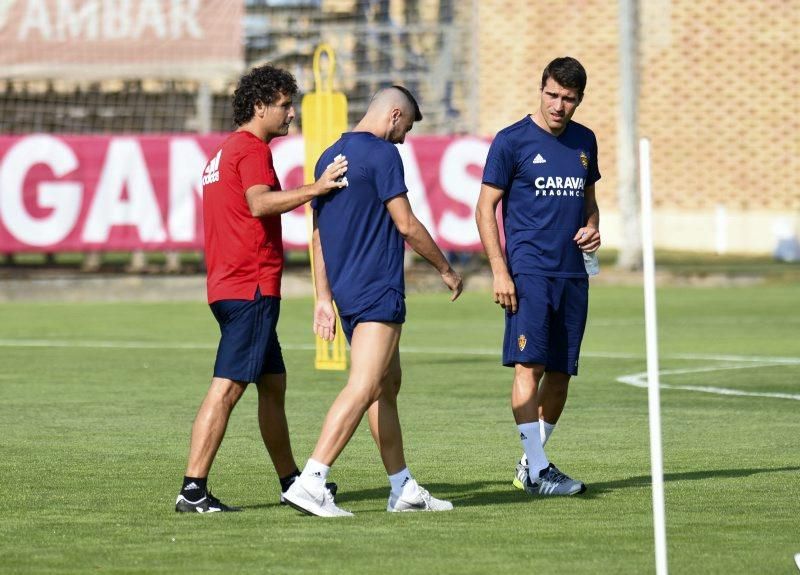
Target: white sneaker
[
  {"x": 422, "y": 501},
  {"x": 319, "y": 503}
]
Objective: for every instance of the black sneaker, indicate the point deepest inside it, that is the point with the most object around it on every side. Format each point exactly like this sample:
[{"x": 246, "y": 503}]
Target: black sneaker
[
  {"x": 206, "y": 504},
  {"x": 332, "y": 487}
]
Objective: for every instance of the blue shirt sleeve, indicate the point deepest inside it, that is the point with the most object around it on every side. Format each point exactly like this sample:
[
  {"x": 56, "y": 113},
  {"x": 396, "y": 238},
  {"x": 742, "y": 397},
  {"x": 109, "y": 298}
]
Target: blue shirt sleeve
[
  {"x": 388, "y": 174},
  {"x": 499, "y": 168}
]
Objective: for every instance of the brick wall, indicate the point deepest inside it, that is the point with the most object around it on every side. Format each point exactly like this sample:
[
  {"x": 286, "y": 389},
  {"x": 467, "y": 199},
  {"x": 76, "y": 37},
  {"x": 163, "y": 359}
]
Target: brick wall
[{"x": 719, "y": 94}]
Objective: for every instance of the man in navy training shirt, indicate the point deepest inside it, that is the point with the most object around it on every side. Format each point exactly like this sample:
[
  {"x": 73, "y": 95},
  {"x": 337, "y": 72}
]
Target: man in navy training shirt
[
  {"x": 543, "y": 168},
  {"x": 358, "y": 244}
]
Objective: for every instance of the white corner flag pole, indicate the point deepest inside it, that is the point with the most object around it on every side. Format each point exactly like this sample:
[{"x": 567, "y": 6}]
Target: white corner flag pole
[{"x": 651, "y": 338}]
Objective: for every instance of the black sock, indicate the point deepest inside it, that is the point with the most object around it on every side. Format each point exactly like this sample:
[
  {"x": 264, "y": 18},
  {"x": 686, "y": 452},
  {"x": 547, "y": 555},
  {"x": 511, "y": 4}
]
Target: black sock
[
  {"x": 287, "y": 481},
  {"x": 194, "y": 488}
]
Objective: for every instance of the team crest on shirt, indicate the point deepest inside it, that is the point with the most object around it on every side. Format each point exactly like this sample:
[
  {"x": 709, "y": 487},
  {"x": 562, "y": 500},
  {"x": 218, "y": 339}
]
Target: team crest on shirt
[
  {"x": 584, "y": 160},
  {"x": 522, "y": 342}
]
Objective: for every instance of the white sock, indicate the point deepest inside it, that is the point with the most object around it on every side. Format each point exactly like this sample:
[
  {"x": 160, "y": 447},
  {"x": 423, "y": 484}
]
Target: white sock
[
  {"x": 531, "y": 439},
  {"x": 545, "y": 430},
  {"x": 314, "y": 474},
  {"x": 403, "y": 484}
]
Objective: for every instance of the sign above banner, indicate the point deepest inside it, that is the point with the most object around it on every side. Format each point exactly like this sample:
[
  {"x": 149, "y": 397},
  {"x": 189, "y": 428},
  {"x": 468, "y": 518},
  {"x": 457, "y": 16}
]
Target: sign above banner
[{"x": 96, "y": 39}]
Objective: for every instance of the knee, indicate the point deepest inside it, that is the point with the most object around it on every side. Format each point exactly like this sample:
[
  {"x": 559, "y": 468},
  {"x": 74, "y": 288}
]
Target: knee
[
  {"x": 528, "y": 375},
  {"x": 224, "y": 393},
  {"x": 272, "y": 386},
  {"x": 391, "y": 382},
  {"x": 374, "y": 393},
  {"x": 559, "y": 381}
]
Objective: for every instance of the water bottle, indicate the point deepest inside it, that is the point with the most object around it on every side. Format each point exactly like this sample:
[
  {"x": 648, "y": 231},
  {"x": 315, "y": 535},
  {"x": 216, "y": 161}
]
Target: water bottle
[{"x": 591, "y": 263}]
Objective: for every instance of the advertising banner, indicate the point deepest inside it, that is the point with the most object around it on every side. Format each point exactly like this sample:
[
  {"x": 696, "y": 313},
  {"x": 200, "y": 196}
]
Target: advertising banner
[{"x": 84, "y": 193}]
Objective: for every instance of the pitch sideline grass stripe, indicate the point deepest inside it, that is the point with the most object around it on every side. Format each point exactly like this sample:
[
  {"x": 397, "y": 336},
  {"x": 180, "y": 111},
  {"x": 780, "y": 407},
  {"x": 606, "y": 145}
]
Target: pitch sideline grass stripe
[
  {"x": 636, "y": 380},
  {"x": 7, "y": 342}
]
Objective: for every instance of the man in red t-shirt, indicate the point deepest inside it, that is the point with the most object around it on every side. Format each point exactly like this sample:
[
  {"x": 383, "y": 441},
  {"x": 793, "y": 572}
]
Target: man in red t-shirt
[{"x": 242, "y": 204}]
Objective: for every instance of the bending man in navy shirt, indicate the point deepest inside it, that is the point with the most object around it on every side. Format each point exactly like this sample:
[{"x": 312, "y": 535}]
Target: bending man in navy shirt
[
  {"x": 358, "y": 244},
  {"x": 543, "y": 168}
]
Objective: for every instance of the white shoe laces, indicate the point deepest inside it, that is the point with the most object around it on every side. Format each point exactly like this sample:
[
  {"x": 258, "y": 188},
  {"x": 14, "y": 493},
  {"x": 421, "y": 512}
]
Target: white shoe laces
[{"x": 426, "y": 497}]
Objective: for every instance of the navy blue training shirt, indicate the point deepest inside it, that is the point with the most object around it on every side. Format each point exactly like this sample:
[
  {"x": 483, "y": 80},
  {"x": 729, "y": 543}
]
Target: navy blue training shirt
[
  {"x": 362, "y": 248},
  {"x": 544, "y": 178}
]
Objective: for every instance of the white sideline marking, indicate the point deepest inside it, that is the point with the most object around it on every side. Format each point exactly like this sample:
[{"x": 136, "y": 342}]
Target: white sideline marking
[
  {"x": 636, "y": 379},
  {"x": 102, "y": 344},
  {"x": 290, "y": 346},
  {"x": 640, "y": 379},
  {"x": 407, "y": 349}
]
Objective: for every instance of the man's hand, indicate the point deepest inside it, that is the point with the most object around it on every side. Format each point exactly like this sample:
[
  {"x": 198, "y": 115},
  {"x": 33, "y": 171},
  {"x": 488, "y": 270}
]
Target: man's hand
[
  {"x": 588, "y": 239},
  {"x": 452, "y": 280},
  {"x": 505, "y": 292},
  {"x": 333, "y": 177},
  {"x": 325, "y": 320}
]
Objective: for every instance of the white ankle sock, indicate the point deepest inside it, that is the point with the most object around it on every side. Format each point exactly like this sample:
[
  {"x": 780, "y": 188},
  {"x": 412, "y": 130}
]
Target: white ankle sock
[
  {"x": 545, "y": 429},
  {"x": 532, "y": 444},
  {"x": 403, "y": 484},
  {"x": 315, "y": 473}
]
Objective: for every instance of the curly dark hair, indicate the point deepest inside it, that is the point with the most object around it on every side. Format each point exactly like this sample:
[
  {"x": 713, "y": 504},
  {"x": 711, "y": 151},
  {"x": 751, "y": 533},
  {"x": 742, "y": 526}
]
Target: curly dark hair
[{"x": 262, "y": 84}]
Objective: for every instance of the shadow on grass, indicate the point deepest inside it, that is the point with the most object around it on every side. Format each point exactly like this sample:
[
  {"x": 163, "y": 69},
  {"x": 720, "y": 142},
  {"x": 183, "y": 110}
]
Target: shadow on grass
[
  {"x": 269, "y": 505},
  {"x": 479, "y": 493},
  {"x": 644, "y": 480}
]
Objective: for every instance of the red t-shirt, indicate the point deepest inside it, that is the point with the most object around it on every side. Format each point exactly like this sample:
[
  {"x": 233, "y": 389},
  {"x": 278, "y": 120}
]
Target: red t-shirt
[{"x": 242, "y": 252}]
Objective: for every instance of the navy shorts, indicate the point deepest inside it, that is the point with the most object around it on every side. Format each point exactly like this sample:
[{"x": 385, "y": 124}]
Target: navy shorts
[
  {"x": 389, "y": 308},
  {"x": 549, "y": 324},
  {"x": 248, "y": 346}
]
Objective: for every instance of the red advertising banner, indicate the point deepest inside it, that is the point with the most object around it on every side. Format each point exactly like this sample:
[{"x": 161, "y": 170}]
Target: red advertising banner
[
  {"x": 84, "y": 39},
  {"x": 82, "y": 193}
]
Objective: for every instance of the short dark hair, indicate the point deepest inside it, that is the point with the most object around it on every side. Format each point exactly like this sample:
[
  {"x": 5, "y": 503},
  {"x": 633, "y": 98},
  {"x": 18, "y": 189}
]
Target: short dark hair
[
  {"x": 568, "y": 72},
  {"x": 262, "y": 84},
  {"x": 412, "y": 101}
]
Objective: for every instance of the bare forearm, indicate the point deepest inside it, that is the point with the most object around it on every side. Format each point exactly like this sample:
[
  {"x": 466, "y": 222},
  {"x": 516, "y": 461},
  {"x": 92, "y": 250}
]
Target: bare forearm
[
  {"x": 421, "y": 242},
  {"x": 280, "y": 202},
  {"x": 490, "y": 238},
  {"x": 591, "y": 208},
  {"x": 593, "y": 215},
  {"x": 321, "y": 285}
]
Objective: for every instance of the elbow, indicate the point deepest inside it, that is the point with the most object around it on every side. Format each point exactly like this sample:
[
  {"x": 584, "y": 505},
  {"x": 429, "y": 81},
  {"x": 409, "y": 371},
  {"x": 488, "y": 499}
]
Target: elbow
[
  {"x": 255, "y": 209},
  {"x": 480, "y": 215},
  {"x": 404, "y": 228},
  {"x": 260, "y": 211}
]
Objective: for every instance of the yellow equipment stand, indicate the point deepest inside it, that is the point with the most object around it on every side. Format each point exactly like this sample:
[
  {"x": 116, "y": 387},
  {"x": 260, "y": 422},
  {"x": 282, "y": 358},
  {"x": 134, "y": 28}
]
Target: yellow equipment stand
[{"x": 324, "y": 119}]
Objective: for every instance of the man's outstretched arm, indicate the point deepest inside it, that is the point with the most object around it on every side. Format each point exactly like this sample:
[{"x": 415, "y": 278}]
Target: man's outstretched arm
[{"x": 263, "y": 201}]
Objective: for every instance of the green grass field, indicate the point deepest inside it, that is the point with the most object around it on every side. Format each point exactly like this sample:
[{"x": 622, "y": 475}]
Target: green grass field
[{"x": 97, "y": 402}]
